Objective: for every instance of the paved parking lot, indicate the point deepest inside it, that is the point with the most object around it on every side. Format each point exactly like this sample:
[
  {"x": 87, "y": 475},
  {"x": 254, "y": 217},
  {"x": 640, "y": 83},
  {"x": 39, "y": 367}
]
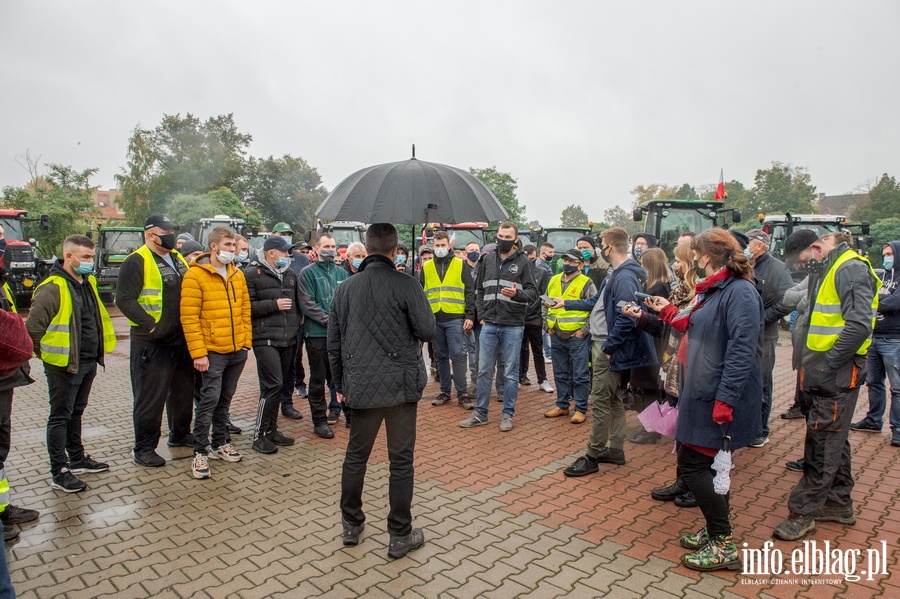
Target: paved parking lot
[{"x": 500, "y": 519}]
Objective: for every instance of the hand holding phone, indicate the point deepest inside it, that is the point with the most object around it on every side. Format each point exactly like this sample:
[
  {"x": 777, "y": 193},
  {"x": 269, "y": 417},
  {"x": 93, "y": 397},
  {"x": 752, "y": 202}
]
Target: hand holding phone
[{"x": 640, "y": 295}]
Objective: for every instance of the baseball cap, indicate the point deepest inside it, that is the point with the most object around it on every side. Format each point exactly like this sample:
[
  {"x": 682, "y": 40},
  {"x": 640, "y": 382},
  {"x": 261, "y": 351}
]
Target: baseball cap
[
  {"x": 795, "y": 243},
  {"x": 282, "y": 228},
  {"x": 758, "y": 235},
  {"x": 573, "y": 254},
  {"x": 274, "y": 242},
  {"x": 158, "y": 220}
]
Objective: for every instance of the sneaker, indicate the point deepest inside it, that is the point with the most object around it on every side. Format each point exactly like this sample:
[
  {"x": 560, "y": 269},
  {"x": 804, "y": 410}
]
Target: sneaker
[
  {"x": 830, "y": 513},
  {"x": 796, "y": 466},
  {"x": 506, "y": 423},
  {"x": 333, "y": 417},
  {"x": 186, "y": 441},
  {"x": 548, "y": 360},
  {"x": 524, "y": 381},
  {"x": 796, "y": 526},
  {"x": 264, "y": 444},
  {"x": 234, "y": 430},
  {"x": 719, "y": 554},
  {"x": 18, "y": 515},
  {"x": 792, "y": 413},
  {"x": 670, "y": 493},
  {"x": 473, "y": 420},
  {"x": 577, "y": 417},
  {"x": 281, "y": 440},
  {"x": 400, "y": 546},
  {"x": 302, "y": 391},
  {"x": 226, "y": 452},
  {"x": 582, "y": 467},
  {"x": 759, "y": 441},
  {"x": 150, "y": 459},
  {"x": 865, "y": 425},
  {"x": 464, "y": 402},
  {"x": 10, "y": 534},
  {"x": 698, "y": 540},
  {"x": 895, "y": 438},
  {"x": 350, "y": 533},
  {"x": 686, "y": 499},
  {"x": 556, "y": 412},
  {"x": 86, "y": 464},
  {"x": 200, "y": 465},
  {"x": 645, "y": 437},
  {"x": 441, "y": 399},
  {"x": 612, "y": 456},
  {"x": 544, "y": 386},
  {"x": 68, "y": 482}
]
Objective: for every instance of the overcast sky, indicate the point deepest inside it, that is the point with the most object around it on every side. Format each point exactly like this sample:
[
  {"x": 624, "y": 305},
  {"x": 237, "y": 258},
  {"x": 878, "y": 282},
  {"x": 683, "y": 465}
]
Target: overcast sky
[{"x": 579, "y": 101}]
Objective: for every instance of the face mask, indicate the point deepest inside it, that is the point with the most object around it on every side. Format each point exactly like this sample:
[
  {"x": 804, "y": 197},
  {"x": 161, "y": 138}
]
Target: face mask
[
  {"x": 587, "y": 254},
  {"x": 328, "y": 255},
  {"x": 504, "y": 246},
  {"x": 441, "y": 252},
  {"x": 282, "y": 262},
  {"x": 700, "y": 272},
  {"x": 84, "y": 268},
  {"x": 400, "y": 259},
  {"x": 356, "y": 263},
  {"x": 226, "y": 257},
  {"x": 888, "y": 263},
  {"x": 167, "y": 241},
  {"x": 289, "y": 239},
  {"x": 748, "y": 253},
  {"x": 638, "y": 252},
  {"x": 605, "y": 253},
  {"x": 569, "y": 269},
  {"x": 242, "y": 257},
  {"x": 472, "y": 256},
  {"x": 814, "y": 266}
]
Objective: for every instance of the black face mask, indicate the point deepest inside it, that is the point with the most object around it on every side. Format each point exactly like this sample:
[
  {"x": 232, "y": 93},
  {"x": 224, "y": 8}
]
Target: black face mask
[
  {"x": 604, "y": 253},
  {"x": 569, "y": 269},
  {"x": 700, "y": 272},
  {"x": 813, "y": 266},
  {"x": 504, "y": 246},
  {"x": 167, "y": 241}
]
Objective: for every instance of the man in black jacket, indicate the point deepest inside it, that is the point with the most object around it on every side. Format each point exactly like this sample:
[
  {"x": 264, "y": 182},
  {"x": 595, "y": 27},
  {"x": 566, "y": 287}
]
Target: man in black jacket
[
  {"x": 504, "y": 288},
  {"x": 275, "y": 314},
  {"x": 772, "y": 280},
  {"x": 377, "y": 323}
]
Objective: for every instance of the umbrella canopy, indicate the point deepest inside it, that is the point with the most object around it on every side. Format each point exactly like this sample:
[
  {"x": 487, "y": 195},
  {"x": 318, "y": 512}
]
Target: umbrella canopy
[{"x": 411, "y": 192}]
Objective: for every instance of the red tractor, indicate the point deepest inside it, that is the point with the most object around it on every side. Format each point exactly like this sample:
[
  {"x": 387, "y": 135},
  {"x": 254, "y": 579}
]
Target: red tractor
[{"x": 20, "y": 257}]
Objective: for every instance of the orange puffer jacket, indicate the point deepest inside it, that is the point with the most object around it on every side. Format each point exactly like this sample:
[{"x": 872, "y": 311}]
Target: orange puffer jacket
[{"x": 215, "y": 313}]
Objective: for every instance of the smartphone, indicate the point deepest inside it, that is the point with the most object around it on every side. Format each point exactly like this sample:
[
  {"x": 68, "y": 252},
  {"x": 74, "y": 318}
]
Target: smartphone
[
  {"x": 547, "y": 300},
  {"x": 622, "y": 304},
  {"x": 640, "y": 295}
]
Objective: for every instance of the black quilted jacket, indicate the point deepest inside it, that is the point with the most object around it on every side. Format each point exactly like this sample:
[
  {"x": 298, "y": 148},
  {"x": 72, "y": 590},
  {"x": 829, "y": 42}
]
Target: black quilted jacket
[{"x": 378, "y": 320}]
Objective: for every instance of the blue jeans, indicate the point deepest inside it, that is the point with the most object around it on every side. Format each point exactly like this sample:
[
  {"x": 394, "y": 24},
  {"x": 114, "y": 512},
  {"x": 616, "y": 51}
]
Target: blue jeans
[
  {"x": 471, "y": 344},
  {"x": 883, "y": 361},
  {"x": 547, "y": 350},
  {"x": 767, "y": 367},
  {"x": 491, "y": 341},
  {"x": 570, "y": 371},
  {"x": 448, "y": 346}
]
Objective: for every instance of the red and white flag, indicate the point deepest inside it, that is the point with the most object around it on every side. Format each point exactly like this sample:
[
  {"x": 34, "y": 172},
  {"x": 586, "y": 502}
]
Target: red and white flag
[{"x": 721, "y": 194}]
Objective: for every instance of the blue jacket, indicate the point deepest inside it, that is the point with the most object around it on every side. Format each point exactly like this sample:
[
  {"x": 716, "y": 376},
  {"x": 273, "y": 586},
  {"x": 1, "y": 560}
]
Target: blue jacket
[
  {"x": 887, "y": 320},
  {"x": 627, "y": 346},
  {"x": 724, "y": 351}
]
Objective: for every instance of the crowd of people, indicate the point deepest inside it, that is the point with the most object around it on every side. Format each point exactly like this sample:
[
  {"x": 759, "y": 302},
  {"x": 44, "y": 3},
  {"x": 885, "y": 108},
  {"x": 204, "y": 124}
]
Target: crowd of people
[{"x": 624, "y": 325}]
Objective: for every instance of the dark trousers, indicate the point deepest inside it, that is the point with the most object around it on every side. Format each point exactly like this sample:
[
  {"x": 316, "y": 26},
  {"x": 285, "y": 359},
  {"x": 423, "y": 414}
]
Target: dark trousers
[
  {"x": 162, "y": 376},
  {"x": 767, "y": 366},
  {"x": 319, "y": 372},
  {"x": 68, "y": 399},
  {"x": 6, "y": 399},
  {"x": 400, "y": 423},
  {"x": 273, "y": 365},
  {"x": 296, "y": 374},
  {"x": 217, "y": 387},
  {"x": 448, "y": 347},
  {"x": 696, "y": 470},
  {"x": 534, "y": 337},
  {"x": 827, "y": 474}
]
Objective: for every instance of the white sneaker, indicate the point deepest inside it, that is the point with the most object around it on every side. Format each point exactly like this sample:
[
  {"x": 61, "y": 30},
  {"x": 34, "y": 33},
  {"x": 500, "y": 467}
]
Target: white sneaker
[
  {"x": 545, "y": 386},
  {"x": 548, "y": 360},
  {"x": 226, "y": 452},
  {"x": 506, "y": 424},
  {"x": 200, "y": 466},
  {"x": 473, "y": 420}
]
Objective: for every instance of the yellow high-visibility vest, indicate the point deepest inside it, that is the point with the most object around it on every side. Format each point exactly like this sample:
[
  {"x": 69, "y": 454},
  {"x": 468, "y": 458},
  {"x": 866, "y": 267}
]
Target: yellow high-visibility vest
[
  {"x": 448, "y": 295},
  {"x": 56, "y": 341},
  {"x": 150, "y": 298},
  {"x": 826, "y": 321},
  {"x": 10, "y": 297},
  {"x": 567, "y": 320}
]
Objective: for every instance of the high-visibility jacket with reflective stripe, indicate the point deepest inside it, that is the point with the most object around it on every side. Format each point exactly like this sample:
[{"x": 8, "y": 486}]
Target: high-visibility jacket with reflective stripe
[
  {"x": 150, "y": 298},
  {"x": 567, "y": 320},
  {"x": 10, "y": 297},
  {"x": 826, "y": 321},
  {"x": 449, "y": 295},
  {"x": 4, "y": 490},
  {"x": 56, "y": 341}
]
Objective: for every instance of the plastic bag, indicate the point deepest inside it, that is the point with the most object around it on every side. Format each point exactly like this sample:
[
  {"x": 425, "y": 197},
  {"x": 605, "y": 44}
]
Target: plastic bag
[
  {"x": 722, "y": 464},
  {"x": 660, "y": 417}
]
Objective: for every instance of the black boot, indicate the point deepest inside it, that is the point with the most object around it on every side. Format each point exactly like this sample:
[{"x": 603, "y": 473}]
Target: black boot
[{"x": 669, "y": 493}]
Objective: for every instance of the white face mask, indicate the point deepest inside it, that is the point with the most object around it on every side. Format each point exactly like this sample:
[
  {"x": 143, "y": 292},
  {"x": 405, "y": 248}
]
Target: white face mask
[
  {"x": 226, "y": 257},
  {"x": 441, "y": 252}
]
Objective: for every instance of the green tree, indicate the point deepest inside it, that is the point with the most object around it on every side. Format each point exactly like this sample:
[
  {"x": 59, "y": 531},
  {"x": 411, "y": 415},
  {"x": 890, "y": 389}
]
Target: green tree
[
  {"x": 618, "y": 217},
  {"x": 285, "y": 189},
  {"x": 504, "y": 186},
  {"x": 884, "y": 202},
  {"x": 63, "y": 194},
  {"x": 185, "y": 208},
  {"x": 783, "y": 188},
  {"x": 573, "y": 216},
  {"x": 136, "y": 181},
  {"x": 654, "y": 191},
  {"x": 686, "y": 192},
  {"x": 885, "y": 230}
]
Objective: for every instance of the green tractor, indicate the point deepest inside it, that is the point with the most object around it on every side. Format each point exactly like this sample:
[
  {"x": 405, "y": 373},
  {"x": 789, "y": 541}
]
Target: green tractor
[
  {"x": 113, "y": 246},
  {"x": 668, "y": 219}
]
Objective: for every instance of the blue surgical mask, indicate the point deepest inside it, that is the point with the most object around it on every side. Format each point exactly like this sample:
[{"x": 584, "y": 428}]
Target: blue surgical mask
[
  {"x": 888, "y": 263},
  {"x": 357, "y": 262},
  {"x": 84, "y": 268},
  {"x": 282, "y": 262},
  {"x": 748, "y": 253},
  {"x": 242, "y": 257},
  {"x": 587, "y": 254}
]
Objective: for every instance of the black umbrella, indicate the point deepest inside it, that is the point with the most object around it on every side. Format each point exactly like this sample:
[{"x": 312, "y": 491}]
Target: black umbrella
[{"x": 411, "y": 192}]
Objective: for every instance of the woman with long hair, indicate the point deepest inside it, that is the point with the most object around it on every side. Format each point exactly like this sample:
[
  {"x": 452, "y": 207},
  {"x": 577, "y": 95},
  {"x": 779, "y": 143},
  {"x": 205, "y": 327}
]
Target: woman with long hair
[{"x": 721, "y": 392}]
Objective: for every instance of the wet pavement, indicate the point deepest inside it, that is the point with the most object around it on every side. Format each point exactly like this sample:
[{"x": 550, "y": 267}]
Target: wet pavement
[{"x": 500, "y": 519}]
